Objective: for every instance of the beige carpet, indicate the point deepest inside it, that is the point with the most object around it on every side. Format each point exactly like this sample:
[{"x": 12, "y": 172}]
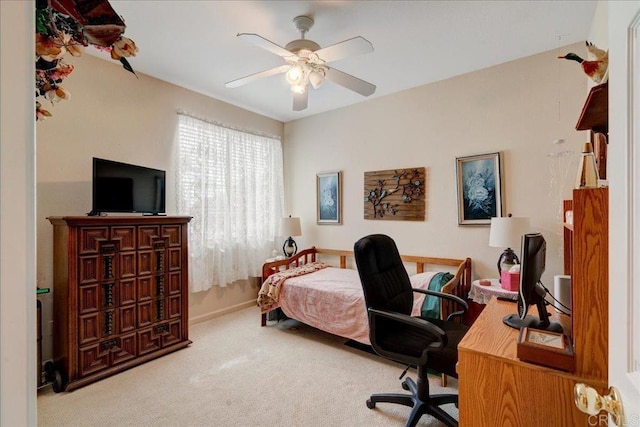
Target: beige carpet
[{"x": 238, "y": 374}]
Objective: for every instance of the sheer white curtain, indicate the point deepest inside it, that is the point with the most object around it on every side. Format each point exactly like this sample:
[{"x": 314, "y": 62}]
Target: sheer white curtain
[{"x": 231, "y": 183}]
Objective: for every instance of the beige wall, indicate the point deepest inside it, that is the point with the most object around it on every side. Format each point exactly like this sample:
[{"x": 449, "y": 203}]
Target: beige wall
[
  {"x": 113, "y": 115},
  {"x": 517, "y": 108},
  {"x": 598, "y": 33},
  {"x": 17, "y": 216}
]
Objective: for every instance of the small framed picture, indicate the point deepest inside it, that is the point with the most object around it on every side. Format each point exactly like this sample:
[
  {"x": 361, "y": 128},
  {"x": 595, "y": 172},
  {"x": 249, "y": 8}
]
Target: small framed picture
[
  {"x": 479, "y": 189},
  {"x": 329, "y": 197},
  {"x": 546, "y": 348}
]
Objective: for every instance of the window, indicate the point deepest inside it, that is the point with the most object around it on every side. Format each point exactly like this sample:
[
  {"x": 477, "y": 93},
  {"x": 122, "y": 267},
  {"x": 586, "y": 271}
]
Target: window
[{"x": 231, "y": 183}]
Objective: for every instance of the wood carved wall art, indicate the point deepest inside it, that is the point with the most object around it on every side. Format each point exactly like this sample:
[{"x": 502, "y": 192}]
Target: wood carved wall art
[{"x": 396, "y": 194}]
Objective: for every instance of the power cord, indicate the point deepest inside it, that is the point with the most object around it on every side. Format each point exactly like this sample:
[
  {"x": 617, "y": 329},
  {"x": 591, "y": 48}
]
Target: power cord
[{"x": 568, "y": 312}]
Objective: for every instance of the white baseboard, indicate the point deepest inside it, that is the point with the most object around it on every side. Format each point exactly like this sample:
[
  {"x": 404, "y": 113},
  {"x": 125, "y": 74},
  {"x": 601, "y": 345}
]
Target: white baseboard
[{"x": 222, "y": 312}]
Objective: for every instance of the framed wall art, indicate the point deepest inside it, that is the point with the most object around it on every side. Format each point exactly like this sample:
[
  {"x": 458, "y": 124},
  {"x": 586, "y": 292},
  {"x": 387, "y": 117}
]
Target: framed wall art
[
  {"x": 329, "y": 197},
  {"x": 395, "y": 194},
  {"x": 479, "y": 188}
]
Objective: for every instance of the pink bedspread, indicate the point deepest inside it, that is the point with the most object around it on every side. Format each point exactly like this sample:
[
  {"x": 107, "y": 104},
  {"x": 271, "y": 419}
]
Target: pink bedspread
[
  {"x": 331, "y": 299},
  {"x": 269, "y": 293}
]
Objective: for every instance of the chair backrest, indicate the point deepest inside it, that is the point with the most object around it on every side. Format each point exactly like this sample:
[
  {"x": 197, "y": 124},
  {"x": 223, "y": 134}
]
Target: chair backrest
[{"x": 384, "y": 278}]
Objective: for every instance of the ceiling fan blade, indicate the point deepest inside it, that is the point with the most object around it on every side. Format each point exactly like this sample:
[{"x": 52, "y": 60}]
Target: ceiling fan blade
[
  {"x": 350, "y": 82},
  {"x": 300, "y": 100},
  {"x": 252, "y": 77},
  {"x": 352, "y": 47},
  {"x": 266, "y": 44}
]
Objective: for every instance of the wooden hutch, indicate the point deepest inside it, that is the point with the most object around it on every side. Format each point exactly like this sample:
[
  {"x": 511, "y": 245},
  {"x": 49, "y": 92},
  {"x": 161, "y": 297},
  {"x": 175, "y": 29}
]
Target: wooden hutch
[{"x": 496, "y": 388}]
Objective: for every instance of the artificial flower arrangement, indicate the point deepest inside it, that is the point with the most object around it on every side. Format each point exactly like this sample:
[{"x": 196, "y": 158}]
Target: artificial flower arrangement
[{"x": 67, "y": 26}]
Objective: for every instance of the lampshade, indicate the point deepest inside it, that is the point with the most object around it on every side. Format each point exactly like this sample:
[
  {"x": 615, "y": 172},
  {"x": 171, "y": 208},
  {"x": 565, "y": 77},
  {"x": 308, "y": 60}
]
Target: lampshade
[
  {"x": 295, "y": 75},
  {"x": 290, "y": 226},
  {"x": 506, "y": 232},
  {"x": 316, "y": 78}
]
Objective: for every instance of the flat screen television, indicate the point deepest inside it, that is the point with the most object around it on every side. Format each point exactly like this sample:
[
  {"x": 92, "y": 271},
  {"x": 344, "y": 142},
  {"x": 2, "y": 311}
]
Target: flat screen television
[
  {"x": 531, "y": 291},
  {"x": 122, "y": 187}
]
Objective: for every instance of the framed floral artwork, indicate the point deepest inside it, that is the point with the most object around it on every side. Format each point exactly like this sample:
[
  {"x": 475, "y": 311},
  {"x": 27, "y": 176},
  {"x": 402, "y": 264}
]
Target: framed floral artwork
[
  {"x": 329, "y": 197},
  {"x": 479, "y": 188}
]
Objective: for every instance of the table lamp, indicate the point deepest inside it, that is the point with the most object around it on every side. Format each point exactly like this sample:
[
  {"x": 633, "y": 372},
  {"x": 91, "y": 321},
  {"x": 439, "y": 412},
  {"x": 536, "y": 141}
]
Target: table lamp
[
  {"x": 290, "y": 227},
  {"x": 506, "y": 232}
]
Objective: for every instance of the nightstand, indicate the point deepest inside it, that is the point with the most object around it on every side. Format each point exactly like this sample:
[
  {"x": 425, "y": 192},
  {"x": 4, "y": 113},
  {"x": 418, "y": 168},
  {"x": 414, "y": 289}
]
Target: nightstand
[{"x": 480, "y": 295}]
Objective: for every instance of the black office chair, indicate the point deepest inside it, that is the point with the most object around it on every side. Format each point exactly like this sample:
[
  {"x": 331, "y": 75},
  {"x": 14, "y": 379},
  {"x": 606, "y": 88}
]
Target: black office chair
[{"x": 395, "y": 335}]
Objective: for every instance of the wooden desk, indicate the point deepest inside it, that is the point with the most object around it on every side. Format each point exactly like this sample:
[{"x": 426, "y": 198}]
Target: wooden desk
[{"x": 497, "y": 389}]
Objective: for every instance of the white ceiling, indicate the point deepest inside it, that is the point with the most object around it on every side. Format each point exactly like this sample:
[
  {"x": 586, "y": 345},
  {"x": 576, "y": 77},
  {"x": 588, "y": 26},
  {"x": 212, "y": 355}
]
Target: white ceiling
[{"x": 193, "y": 44}]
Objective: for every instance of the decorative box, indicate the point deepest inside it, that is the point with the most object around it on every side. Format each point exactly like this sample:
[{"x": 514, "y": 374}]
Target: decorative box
[{"x": 510, "y": 281}]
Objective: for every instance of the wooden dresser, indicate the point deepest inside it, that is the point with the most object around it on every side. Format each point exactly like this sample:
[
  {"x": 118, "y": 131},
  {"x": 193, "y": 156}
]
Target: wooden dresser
[{"x": 120, "y": 294}]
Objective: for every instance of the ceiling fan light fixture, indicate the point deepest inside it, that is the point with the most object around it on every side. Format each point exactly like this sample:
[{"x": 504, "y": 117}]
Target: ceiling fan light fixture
[
  {"x": 299, "y": 88},
  {"x": 305, "y": 63},
  {"x": 316, "y": 78},
  {"x": 295, "y": 75},
  {"x": 304, "y": 53}
]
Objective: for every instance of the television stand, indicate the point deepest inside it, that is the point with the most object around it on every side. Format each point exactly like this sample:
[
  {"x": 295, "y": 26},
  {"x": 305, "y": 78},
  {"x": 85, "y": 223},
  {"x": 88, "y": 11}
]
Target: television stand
[{"x": 514, "y": 321}]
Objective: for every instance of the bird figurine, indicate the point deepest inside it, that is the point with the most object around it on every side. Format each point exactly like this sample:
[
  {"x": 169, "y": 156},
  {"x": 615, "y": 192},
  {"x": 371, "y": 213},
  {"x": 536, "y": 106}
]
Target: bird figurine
[
  {"x": 593, "y": 53},
  {"x": 596, "y": 66}
]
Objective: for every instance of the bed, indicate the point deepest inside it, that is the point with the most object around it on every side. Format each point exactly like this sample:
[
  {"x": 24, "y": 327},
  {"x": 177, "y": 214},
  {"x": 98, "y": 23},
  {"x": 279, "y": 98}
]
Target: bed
[{"x": 331, "y": 299}]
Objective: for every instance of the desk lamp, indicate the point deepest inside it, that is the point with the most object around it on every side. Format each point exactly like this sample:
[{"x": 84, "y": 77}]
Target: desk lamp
[
  {"x": 290, "y": 227},
  {"x": 507, "y": 232}
]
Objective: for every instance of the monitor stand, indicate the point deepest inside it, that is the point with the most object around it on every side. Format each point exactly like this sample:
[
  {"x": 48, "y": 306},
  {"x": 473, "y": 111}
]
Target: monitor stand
[{"x": 514, "y": 321}]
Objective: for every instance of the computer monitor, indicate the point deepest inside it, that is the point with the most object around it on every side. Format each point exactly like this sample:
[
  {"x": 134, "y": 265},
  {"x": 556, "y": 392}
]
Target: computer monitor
[{"x": 532, "y": 292}]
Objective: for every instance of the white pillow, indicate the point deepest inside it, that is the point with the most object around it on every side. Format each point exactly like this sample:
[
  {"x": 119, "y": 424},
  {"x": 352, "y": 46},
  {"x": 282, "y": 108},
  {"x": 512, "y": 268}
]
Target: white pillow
[{"x": 421, "y": 280}]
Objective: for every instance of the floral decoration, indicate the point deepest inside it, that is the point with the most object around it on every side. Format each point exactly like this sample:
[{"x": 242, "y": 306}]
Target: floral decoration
[
  {"x": 67, "y": 26},
  {"x": 479, "y": 191}
]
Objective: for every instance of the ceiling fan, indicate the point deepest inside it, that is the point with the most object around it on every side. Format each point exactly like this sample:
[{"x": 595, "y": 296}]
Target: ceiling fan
[{"x": 306, "y": 63}]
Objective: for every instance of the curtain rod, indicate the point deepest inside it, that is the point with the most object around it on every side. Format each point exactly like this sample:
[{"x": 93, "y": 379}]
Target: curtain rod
[{"x": 226, "y": 126}]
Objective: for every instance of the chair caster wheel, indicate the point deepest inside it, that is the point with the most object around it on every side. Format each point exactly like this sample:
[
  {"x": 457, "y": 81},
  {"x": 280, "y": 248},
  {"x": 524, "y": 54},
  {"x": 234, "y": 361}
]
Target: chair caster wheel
[
  {"x": 370, "y": 404},
  {"x": 405, "y": 385}
]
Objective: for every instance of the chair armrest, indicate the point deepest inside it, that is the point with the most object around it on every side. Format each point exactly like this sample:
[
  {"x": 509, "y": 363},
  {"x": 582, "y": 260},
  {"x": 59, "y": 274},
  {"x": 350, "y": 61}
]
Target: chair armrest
[
  {"x": 416, "y": 322},
  {"x": 451, "y": 297}
]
